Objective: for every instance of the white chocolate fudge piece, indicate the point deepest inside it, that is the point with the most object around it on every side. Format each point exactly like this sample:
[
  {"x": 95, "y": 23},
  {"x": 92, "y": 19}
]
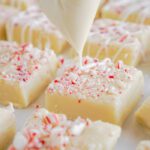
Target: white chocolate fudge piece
[
  {"x": 144, "y": 145},
  {"x": 32, "y": 26},
  {"x": 49, "y": 131},
  {"x": 19, "y": 4},
  {"x": 137, "y": 11},
  {"x": 142, "y": 114},
  {"x": 5, "y": 14},
  {"x": 7, "y": 127},
  {"x": 97, "y": 90},
  {"x": 118, "y": 41},
  {"x": 24, "y": 73}
]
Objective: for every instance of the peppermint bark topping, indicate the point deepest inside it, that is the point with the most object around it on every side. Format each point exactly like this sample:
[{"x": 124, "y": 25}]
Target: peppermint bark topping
[{"x": 93, "y": 80}]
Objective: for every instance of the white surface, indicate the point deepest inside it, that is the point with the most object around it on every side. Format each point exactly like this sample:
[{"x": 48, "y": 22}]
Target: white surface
[{"x": 132, "y": 132}]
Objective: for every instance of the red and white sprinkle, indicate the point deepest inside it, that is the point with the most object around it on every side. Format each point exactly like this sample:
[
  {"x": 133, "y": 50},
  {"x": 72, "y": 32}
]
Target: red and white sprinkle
[
  {"x": 48, "y": 131},
  {"x": 93, "y": 80}
]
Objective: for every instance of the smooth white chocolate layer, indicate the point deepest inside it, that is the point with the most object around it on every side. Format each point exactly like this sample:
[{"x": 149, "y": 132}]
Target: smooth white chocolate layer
[
  {"x": 142, "y": 114},
  {"x": 7, "y": 127},
  {"x": 73, "y": 18},
  {"x": 97, "y": 90},
  {"x": 137, "y": 11},
  {"x": 19, "y": 4},
  {"x": 32, "y": 26},
  {"x": 24, "y": 72},
  {"x": 144, "y": 145},
  {"x": 45, "y": 131},
  {"x": 5, "y": 14},
  {"x": 118, "y": 41}
]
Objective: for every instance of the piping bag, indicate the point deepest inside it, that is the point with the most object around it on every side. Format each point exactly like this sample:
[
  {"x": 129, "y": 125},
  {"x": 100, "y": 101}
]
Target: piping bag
[{"x": 73, "y": 18}]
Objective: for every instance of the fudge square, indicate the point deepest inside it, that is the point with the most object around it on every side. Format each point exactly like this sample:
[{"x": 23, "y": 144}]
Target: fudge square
[
  {"x": 49, "y": 131},
  {"x": 119, "y": 41},
  {"x": 137, "y": 11},
  {"x": 7, "y": 127},
  {"x": 34, "y": 27},
  {"x": 97, "y": 90},
  {"x": 5, "y": 14},
  {"x": 19, "y": 4},
  {"x": 142, "y": 114},
  {"x": 24, "y": 72}
]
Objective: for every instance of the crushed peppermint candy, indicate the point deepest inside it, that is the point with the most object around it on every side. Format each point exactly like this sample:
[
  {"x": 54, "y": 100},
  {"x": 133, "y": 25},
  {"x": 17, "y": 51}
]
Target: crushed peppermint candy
[
  {"x": 93, "y": 80},
  {"x": 19, "y": 63},
  {"x": 48, "y": 131}
]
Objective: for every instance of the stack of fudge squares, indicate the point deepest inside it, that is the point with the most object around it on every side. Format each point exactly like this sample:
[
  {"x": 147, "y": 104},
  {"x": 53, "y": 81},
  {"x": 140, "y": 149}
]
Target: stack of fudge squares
[{"x": 84, "y": 106}]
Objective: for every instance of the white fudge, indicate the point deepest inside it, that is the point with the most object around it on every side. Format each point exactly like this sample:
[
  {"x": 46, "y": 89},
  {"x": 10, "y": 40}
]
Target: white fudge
[
  {"x": 5, "y": 14},
  {"x": 119, "y": 41},
  {"x": 142, "y": 114},
  {"x": 7, "y": 127},
  {"x": 137, "y": 11},
  {"x": 24, "y": 73},
  {"x": 97, "y": 90},
  {"x": 49, "y": 131},
  {"x": 19, "y": 4},
  {"x": 32, "y": 26}
]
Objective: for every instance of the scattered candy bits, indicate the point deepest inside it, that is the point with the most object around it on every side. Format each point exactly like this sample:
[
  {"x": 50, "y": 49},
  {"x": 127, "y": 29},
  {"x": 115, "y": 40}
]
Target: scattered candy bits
[
  {"x": 48, "y": 131},
  {"x": 94, "y": 79}
]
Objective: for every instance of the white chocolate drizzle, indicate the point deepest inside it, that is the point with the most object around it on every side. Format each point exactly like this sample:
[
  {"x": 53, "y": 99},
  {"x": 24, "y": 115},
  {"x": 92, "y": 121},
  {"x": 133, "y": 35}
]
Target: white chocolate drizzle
[
  {"x": 34, "y": 20},
  {"x": 107, "y": 32},
  {"x": 127, "y": 8},
  {"x": 6, "y": 13}
]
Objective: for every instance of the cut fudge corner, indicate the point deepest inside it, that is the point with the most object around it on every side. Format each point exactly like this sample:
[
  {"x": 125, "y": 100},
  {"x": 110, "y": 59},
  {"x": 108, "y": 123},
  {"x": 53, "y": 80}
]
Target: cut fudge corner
[
  {"x": 55, "y": 131},
  {"x": 142, "y": 114},
  {"x": 7, "y": 126},
  {"x": 98, "y": 90},
  {"x": 25, "y": 73}
]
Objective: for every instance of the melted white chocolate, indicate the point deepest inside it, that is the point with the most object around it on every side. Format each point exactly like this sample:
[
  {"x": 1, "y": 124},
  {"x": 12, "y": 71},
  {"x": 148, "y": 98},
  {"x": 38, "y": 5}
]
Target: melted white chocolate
[
  {"x": 73, "y": 17},
  {"x": 6, "y": 12}
]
